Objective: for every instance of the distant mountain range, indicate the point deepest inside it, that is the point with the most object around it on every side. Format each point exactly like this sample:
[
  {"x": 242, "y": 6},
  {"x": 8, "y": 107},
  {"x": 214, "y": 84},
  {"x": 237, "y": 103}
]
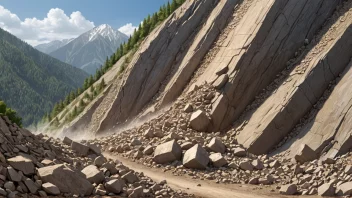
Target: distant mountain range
[
  {"x": 52, "y": 46},
  {"x": 89, "y": 50},
  {"x": 31, "y": 81}
]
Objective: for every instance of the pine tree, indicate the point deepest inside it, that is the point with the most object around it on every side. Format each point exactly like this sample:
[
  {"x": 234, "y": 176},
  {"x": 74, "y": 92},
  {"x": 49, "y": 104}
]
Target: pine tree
[
  {"x": 168, "y": 9},
  {"x": 72, "y": 96},
  {"x": 81, "y": 103},
  {"x": 161, "y": 15},
  {"x": 2, "y": 108},
  {"x": 173, "y": 6}
]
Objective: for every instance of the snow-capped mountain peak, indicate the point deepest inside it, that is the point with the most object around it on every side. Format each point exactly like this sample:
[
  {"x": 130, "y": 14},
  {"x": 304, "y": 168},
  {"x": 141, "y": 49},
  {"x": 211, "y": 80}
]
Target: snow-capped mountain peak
[
  {"x": 105, "y": 31},
  {"x": 89, "y": 50}
]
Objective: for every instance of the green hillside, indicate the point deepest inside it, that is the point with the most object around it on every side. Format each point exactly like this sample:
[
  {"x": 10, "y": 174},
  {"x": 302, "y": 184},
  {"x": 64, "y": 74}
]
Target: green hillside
[{"x": 31, "y": 81}]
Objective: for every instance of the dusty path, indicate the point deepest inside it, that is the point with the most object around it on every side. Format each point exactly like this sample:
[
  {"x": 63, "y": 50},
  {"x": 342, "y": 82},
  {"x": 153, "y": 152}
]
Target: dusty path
[{"x": 207, "y": 189}]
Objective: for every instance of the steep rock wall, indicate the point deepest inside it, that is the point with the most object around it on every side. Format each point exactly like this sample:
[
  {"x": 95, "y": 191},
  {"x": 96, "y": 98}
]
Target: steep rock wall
[{"x": 154, "y": 59}]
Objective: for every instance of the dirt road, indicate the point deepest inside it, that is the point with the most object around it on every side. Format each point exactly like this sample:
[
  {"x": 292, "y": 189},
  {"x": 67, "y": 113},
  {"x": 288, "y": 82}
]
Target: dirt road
[{"x": 207, "y": 189}]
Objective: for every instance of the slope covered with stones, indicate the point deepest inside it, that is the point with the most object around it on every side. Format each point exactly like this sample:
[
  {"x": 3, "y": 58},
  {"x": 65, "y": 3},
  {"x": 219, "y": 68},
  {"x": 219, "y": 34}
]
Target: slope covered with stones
[
  {"x": 249, "y": 91},
  {"x": 37, "y": 165}
]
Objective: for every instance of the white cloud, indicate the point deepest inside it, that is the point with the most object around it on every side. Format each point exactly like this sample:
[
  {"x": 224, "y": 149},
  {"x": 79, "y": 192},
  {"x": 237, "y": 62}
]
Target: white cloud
[
  {"x": 128, "y": 29},
  {"x": 56, "y": 26}
]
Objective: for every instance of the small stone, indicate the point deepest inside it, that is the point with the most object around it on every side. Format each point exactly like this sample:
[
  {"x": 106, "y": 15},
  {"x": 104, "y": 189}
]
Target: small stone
[
  {"x": 51, "y": 189},
  {"x": 114, "y": 186}
]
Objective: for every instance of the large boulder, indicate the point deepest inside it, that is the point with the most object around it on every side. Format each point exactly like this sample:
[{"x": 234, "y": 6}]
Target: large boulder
[
  {"x": 93, "y": 174},
  {"x": 22, "y": 164},
  {"x": 305, "y": 154},
  {"x": 79, "y": 148},
  {"x": 344, "y": 189},
  {"x": 289, "y": 189},
  {"x": 216, "y": 145},
  {"x": 167, "y": 152},
  {"x": 196, "y": 157},
  {"x": 199, "y": 121},
  {"x": 326, "y": 190},
  {"x": 67, "y": 180}
]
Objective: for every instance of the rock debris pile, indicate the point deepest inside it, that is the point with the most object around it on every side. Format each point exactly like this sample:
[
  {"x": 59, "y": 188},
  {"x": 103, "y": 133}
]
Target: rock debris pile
[{"x": 37, "y": 165}]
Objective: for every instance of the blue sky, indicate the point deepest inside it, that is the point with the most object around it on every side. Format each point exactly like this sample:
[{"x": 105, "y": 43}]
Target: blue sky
[{"x": 28, "y": 19}]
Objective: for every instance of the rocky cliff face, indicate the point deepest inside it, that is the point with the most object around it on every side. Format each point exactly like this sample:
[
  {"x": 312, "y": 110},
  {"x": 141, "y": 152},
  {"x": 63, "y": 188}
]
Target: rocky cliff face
[{"x": 275, "y": 74}]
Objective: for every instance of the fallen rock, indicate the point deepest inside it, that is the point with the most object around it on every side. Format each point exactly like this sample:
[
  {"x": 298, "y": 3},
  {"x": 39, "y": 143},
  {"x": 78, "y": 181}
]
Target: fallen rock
[
  {"x": 289, "y": 189},
  {"x": 148, "y": 150},
  {"x": 344, "y": 189},
  {"x": 114, "y": 186},
  {"x": 13, "y": 174},
  {"x": 196, "y": 157},
  {"x": 67, "y": 141},
  {"x": 188, "y": 108},
  {"x": 246, "y": 165},
  {"x": 22, "y": 164},
  {"x": 199, "y": 121},
  {"x": 80, "y": 149},
  {"x": 99, "y": 161},
  {"x": 67, "y": 180},
  {"x": 239, "y": 152},
  {"x": 305, "y": 154},
  {"x": 187, "y": 145},
  {"x": 51, "y": 189},
  {"x": 167, "y": 152},
  {"x": 257, "y": 164},
  {"x": 326, "y": 190},
  {"x": 31, "y": 185},
  {"x": 217, "y": 160},
  {"x": 93, "y": 174},
  {"x": 216, "y": 145},
  {"x": 130, "y": 177}
]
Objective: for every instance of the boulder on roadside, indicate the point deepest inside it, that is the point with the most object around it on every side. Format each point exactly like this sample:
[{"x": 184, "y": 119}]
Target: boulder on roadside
[
  {"x": 217, "y": 160},
  {"x": 99, "y": 161},
  {"x": 67, "y": 141},
  {"x": 196, "y": 157},
  {"x": 305, "y": 154},
  {"x": 80, "y": 149},
  {"x": 344, "y": 189},
  {"x": 93, "y": 174},
  {"x": 114, "y": 186},
  {"x": 199, "y": 121},
  {"x": 216, "y": 145},
  {"x": 239, "y": 152},
  {"x": 67, "y": 180},
  {"x": 22, "y": 164},
  {"x": 148, "y": 150},
  {"x": 326, "y": 190},
  {"x": 94, "y": 148},
  {"x": 289, "y": 189},
  {"x": 167, "y": 152},
  {"x": 246, "y": 165}
]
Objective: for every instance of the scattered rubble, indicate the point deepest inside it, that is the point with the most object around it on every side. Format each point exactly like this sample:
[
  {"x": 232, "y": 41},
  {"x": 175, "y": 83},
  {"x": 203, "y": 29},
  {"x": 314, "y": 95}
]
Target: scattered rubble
[{"x": 45, "y": 166}]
